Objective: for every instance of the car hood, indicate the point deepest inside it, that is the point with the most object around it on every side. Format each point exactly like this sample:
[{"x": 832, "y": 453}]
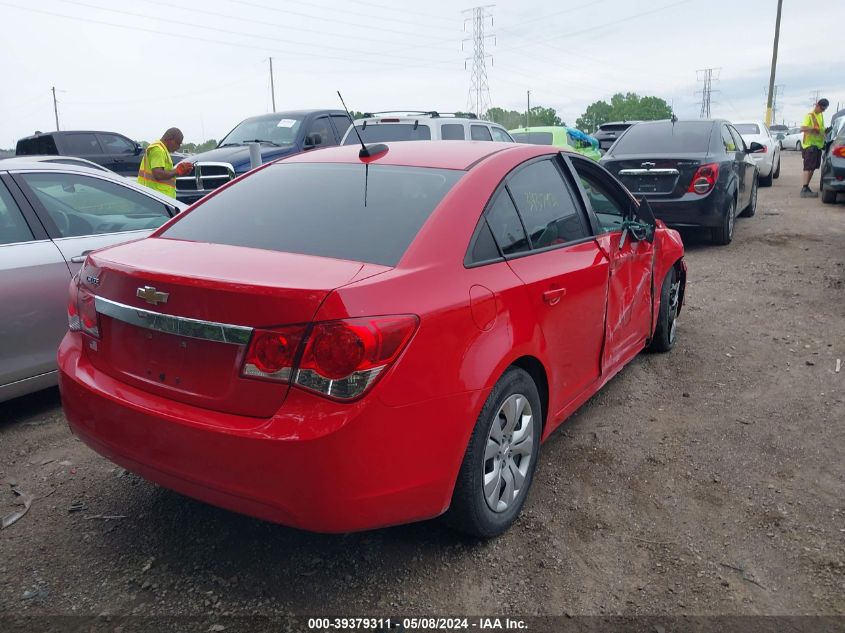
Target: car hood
[{"x": 238, "y": 155}]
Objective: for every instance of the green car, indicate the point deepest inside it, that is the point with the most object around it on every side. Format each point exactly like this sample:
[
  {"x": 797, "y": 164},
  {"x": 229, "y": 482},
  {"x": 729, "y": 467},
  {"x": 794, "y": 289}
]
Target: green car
[{"x": 558, "y": 136}]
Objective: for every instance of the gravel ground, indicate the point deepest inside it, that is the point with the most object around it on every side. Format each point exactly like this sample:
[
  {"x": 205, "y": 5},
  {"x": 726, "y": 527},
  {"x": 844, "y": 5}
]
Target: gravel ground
[{"x": 708, "y": 481}]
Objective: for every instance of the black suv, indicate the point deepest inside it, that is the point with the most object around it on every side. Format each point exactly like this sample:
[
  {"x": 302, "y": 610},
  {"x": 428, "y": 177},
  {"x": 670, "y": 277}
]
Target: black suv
[
  {"x": 109, "y": 149},
  {"x": 278, "y": 134}
]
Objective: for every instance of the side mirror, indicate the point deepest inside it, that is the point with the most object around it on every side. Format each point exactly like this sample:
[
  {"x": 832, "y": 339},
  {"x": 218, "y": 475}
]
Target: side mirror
[
  {"x": 138, "y": 149},
  {"x": 755, "y": 147},
  {"x": 312, "y": 140}
]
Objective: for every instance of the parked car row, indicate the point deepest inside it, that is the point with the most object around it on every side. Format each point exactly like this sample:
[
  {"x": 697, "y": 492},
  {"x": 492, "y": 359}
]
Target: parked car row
[{"x": 268, "y": 332}]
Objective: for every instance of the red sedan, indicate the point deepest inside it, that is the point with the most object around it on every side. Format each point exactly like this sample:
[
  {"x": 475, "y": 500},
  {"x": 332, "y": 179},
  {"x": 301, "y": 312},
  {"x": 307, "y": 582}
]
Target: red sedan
[{"x": 337, "y": 342}]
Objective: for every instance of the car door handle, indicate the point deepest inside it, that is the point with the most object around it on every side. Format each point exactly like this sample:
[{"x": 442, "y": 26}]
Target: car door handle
[
  {"x": 553, "y": 296},
  {"x": 79, "y": 259}
]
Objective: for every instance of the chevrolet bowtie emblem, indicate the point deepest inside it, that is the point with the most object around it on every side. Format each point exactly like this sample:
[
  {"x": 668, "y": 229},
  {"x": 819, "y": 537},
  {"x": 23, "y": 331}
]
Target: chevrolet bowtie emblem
[
  {"x": 151, "y": 295},
  {"x": 648, "y": 164}
]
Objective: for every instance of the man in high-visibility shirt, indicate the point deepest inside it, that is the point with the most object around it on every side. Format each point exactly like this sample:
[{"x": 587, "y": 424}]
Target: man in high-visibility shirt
[
  {"x": 812, "y": 145},
  {"x": 156, "y": 170}
]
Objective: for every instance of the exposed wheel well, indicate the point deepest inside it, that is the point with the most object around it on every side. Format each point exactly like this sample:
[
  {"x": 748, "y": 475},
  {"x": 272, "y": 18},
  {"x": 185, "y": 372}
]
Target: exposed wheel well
[{"x": 535, "y": 369}]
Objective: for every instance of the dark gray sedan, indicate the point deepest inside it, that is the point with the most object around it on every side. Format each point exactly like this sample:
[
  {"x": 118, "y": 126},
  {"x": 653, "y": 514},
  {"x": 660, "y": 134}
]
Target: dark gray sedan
[
  {"x": 694, "y": 173},
  {"x": 51, "y": 216}
]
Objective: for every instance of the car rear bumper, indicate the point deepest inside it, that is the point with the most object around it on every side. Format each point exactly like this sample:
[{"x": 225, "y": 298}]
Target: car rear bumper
[
  {"x": 317, "y": 465},
  {"x": 833, "y": 178},
  {"x": 690, "y": 211}
]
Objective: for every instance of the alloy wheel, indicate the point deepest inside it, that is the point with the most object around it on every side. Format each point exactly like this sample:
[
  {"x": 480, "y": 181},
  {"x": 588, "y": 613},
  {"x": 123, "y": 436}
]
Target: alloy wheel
[
  {"x": 508, "y": 453},
  {"x": 674, "y": 300}
]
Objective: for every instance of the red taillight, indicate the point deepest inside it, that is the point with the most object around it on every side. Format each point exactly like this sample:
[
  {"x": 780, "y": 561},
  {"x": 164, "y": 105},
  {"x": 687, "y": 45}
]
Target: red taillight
[
  {"x": 342, "y": 359},
  {"x": 704, "y": 179},
  {"x": 839, "y": 151},
  {"x": 81, "y": 310},
  {"x": 271, "y": 353}
]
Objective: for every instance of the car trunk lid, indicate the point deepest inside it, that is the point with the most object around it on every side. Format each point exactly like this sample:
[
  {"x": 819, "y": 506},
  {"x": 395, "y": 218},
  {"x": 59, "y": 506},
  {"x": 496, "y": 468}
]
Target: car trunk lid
[
  {"x": 658, "y": 177},
  {"x": 184, "y": 336}
]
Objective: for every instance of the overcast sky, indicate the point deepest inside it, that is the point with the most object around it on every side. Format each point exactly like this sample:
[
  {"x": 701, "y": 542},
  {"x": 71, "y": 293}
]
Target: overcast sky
[{"x": 202, "y": 65}]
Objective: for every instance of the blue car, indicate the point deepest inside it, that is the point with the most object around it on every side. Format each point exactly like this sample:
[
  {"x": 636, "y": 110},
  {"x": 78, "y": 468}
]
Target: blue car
[{"x": 279, "y": 134}]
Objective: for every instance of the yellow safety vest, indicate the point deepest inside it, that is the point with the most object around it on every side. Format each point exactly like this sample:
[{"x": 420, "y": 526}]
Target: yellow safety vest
[{"x": 145, "y": 172}]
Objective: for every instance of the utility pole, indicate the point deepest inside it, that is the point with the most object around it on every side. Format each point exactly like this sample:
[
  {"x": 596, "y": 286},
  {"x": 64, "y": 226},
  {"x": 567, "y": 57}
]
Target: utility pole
[
  {"x": 775, "y": 97},
  {"x": 55, "y": 108},
  {"x": 770, "y": 99},
  {"x": 528, "y": 111},
  {"x": 706, "y": 75},
  {"x": 478, "y": 99},
  {"x": 816, "y": 96},
  {"x": 272, "y": 86}
]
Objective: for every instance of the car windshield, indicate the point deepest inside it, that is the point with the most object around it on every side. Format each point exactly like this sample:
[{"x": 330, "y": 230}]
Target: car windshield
[
  {"x": 364, "y": 213},
  {"x": 280, "y": 130},
  {"x": 536, "y": 138},
  {"x": 381, "y": 132},
  {"x": 747, "y": 128},
  {"x": 665, "y": 137}
]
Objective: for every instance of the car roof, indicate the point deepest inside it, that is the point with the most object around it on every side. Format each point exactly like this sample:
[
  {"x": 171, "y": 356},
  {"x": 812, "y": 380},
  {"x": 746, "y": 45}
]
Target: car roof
[
  {"x": 620, "y": 123},
  {"x": 755, "y": 122},
  {"x": 14, "y": 161},
  {"x": 24, "y": 163},
  {"x": 301, "y": 113},
  {"x": 460, "y": 154},
  {"x": 63, "y": 132},
  {"x": 425, "y": 118},
  {"x": 540, "y": 128}
]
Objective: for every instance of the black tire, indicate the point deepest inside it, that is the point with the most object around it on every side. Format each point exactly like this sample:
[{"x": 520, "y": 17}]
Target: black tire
[
  {"x": 751, "y": 209},
  {"x": 828, "y": 195},
  {"x": 776, "y": 173},
  {"x": 723, "y": 235},
  {"x": 469, "y": 511},
  {"x": 665, "y": 330},
  {"x": 765, "y": 181},
  {"x": 798, "y": 146}
]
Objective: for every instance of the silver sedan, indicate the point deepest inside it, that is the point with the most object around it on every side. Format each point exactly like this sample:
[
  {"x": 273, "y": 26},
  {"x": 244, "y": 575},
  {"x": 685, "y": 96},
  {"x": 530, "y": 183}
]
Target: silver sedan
[
  {"x": 768, "y": 160},
  {"x": 51, "y": 216}
]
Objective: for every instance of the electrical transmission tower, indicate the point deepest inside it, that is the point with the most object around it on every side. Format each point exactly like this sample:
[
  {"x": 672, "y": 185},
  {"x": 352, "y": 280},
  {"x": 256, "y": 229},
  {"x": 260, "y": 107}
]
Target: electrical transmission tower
[
  {"x": 478, "y": 100},
  {"x": 707, "y": 75}
]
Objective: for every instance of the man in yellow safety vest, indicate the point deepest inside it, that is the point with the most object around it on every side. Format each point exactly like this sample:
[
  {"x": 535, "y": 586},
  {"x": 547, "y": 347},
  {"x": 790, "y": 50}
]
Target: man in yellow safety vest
[
  {"x": 812, "y": 145},
  {"x": 156, "y": 170}
]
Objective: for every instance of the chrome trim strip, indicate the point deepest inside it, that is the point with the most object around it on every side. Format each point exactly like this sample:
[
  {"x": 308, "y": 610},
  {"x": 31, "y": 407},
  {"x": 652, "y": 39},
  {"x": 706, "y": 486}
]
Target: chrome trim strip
[
  {"x": 649, "y": 172},
  {"x": 180, "y": 326}
]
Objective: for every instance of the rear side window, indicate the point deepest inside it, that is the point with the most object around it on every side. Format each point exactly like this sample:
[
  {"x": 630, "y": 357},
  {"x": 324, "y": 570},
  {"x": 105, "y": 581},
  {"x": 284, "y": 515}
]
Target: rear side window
[
  {"x": 535, "y": 138},
  {"x": 344, "y": 211},
  {"x": 480, "y": 133},
  {"x": 546, "y": 205},
  {"x": 13, "y": 228},
  {"x": 81, "y": 145},
  {"x": 500, "y": 135},
  {"x": 452, "y": 132},
  {"x": 665, "y": 137},
  {"x": 747, "y": 128},
  {"x": 382, "y": 132},
  {"x": 341, "y": 124},
  {"x": 506, "y": 226},
  {"x": 36, "y": 146}
]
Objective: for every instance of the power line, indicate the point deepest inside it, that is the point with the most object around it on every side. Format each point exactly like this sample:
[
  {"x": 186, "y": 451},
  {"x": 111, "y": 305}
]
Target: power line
[
  {"x": 705, "y": 75},
  {"x": 816, "y": 96},
  {"x": 478, "y": 99}
]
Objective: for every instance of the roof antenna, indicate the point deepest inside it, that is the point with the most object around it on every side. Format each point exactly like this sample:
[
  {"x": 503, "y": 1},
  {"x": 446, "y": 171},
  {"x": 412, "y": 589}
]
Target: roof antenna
[{"x": 366, "y": 152}]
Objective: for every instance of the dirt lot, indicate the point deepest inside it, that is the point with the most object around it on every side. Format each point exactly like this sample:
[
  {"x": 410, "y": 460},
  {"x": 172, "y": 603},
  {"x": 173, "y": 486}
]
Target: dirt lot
[{"x": 707, "y": 481}]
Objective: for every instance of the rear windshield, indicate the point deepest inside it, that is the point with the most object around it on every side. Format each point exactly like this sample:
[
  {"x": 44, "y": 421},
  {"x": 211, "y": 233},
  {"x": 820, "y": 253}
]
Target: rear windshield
[
  {"x": 747, "y": 128},
  {"x": 664, "y": 137},
  {"x": 343, "y": 211},
  {"x": 36, "y": 146},
  {"x": 381, "y": 132},
  {"x": 536, "y": 138},
  {"x": 614, "y": 127}
]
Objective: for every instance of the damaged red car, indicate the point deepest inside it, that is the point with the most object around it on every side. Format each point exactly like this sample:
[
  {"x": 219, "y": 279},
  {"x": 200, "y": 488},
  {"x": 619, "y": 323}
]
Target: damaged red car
[{"x": 355, "y": 338}]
